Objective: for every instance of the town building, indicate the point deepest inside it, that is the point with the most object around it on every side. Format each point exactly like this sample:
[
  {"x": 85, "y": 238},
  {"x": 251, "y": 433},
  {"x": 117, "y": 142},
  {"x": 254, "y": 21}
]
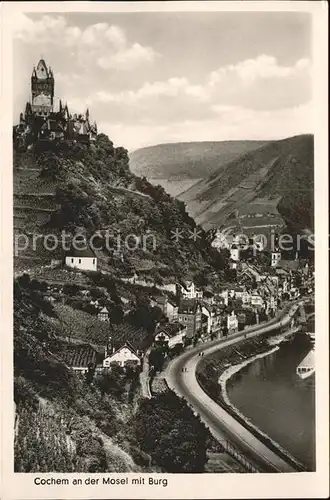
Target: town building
[
  {"x": 275, "y": 257},
  {"x": 241, "y": 320},
  {"x": 168, "y": 287},
  {"x": 103, "y": 315},
  {"x": 168, "y": 306},
  {"x": 188, "y": 290},
  {"x": 83, "y": 259},
  {"x": 234, "y": 253},
  {"x": 213, "y": 315},
  {"x": 246, "y": 298},
  {"x": 41, "y": 121},
  {"x": 232, "y": 322},
  {"x": 190, "y": 315},
  {"x": 224, "y": 294},
  {"x": 125, "y": 356},
  {"x": 256, "y": 300},
  {"x": 171, "y": 333}
]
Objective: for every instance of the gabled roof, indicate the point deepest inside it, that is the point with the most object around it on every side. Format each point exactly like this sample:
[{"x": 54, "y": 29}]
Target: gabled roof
[
  {"x": 126, "y": 345},
  {"x": 104, "y": 310},
  {"x": 80, "y": 356},
  {"x": 170, "y": 329},
  {"x": 85, "y": 250}
]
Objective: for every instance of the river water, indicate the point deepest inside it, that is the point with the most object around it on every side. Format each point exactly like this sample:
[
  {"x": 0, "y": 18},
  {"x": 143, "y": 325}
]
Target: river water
[{"x": 276, "y": 400}]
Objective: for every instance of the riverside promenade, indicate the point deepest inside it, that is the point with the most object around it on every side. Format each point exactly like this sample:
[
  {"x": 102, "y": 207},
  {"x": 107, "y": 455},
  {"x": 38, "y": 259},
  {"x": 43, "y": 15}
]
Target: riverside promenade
[{"x": 181, "y": 378}]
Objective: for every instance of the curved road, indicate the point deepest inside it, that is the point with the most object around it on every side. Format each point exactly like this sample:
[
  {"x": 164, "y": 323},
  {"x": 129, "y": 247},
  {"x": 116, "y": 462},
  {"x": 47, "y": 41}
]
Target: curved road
[{"x": 223, "y": 425}]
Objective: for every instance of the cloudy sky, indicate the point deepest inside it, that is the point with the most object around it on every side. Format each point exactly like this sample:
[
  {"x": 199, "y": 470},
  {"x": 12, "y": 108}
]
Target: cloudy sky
[{"x": 151, "y": 78}]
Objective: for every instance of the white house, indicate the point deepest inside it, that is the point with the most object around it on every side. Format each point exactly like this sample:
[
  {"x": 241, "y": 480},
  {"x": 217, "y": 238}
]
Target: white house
[
  {"x": 81, "y": 259},
  {"x": 213, "y": 315},
  {"x": 275, "y": 257},
  {"x": 256, "y": 300},
  {"x": 169, "y": 287},
  {"x": 246, "y": 298},
  {"x": 234, "y": 253},
  {"x": 221, "y": 240},
  {"x": 125, "y": 355},
  {"x": 239, "y": 292},
  {"x": 232, "y": 322},
  {"x": 188, "y": 290},
  {"x": 225, "y": 295},
  {"x": 103, "y": 315},
  {"x": 171, "y": 333}
]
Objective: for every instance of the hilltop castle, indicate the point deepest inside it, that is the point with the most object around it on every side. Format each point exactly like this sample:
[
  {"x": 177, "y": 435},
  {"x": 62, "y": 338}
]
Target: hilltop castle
[{"x": 42, "y": 122}]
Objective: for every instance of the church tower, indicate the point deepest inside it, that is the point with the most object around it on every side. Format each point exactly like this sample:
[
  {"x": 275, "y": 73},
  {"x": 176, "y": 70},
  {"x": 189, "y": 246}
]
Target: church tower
[{"x": 42, "y": 88}]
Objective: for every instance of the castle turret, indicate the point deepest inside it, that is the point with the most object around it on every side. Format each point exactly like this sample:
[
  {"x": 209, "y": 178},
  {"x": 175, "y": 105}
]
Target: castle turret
[{"x": 42, "y": 89}]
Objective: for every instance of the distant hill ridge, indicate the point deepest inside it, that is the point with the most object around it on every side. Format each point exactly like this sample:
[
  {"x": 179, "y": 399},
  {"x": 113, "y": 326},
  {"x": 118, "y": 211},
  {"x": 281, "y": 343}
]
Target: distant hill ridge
[
  {"x": 187, "y": 160},
  {"x": 280, "y": 169}
]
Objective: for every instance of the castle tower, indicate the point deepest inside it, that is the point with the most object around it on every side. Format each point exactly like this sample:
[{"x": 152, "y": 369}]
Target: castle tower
[{"x": 42, "y": 89}]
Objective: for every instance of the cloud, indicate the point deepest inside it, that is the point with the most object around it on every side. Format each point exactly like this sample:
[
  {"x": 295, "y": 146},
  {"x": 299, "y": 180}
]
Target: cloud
[
  {"x": 86, "y": 47},
  {"x": 260, "y": 84},
  {"x": 262, "y": 67},
  {"x": 99, "y": 66},
  {"x": 129, "y": 58}
]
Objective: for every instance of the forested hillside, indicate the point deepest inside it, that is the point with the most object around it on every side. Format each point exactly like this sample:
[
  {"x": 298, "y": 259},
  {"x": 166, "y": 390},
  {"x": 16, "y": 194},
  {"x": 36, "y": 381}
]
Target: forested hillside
[
  {"x": 70, "y": 423},
  {"x": 91, "y": 189},
  {"x": 87, "y": 423},
  {"x": 281, "y": 169},
  {"x": 187, "y": 160}
]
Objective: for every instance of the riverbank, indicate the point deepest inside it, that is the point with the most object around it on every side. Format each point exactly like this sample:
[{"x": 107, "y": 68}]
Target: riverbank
[
  {"x": 223, "y": 364},
  {"x": 225, "y": 377}
]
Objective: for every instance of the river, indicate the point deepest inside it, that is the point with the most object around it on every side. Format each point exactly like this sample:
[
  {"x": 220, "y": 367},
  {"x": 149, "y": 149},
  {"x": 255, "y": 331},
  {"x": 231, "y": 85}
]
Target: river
[{"x": 275, "y": 399}]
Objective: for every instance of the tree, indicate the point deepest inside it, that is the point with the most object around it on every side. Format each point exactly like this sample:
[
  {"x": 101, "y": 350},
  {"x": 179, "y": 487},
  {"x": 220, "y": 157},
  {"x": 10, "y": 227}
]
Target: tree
[
  {"x": 167, "y": 429},
  {"x": 157, "y": 358}
]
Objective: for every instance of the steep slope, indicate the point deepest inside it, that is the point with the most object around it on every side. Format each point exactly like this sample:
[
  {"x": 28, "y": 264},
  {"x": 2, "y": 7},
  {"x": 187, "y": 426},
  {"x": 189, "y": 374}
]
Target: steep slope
[
  {"x": 187, "y": 160},
  {"x": 281, "y": 172},
  {"x": 91, "y": 189}
]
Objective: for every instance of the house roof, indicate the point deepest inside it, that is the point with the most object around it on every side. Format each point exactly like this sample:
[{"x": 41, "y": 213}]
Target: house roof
[
  {"x": 104, "y": 310},
  {"x": 214, "y": 308},
  {"x": 124, "y": 332},
  {"x": 85, "y": 251},
  {"x": 160, "y": 299},
  {"x": 188, "y": 306},
  {"x": 80, "y": 356},
  {"x": 126, "y": 345},
  {"x": 208, "y": 307},
  {"x": 170, "y": 329}
]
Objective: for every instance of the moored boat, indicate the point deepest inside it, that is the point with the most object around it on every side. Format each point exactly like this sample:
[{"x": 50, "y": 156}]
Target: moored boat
[{"x": 307, "y": 367}]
